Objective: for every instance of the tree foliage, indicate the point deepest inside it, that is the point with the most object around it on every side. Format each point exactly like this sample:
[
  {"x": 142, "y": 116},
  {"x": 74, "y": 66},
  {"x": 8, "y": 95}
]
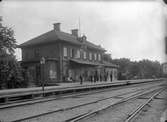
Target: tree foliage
[
  {"x": 138, "y": 70},
  {"x": 8, "y": 42},
  {"x": 11, "y": 74}
]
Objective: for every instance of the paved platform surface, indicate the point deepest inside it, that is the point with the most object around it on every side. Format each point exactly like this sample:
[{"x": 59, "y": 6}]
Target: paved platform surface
[{"x": 60, "y": 85}]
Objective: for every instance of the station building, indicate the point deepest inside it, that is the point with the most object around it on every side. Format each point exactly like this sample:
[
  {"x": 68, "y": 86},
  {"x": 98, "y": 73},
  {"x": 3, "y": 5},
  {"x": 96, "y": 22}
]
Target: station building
[{"x": 56, "y": 56}]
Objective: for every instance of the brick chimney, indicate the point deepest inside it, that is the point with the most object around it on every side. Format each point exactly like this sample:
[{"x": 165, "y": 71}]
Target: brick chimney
[
  {"x": 74, "y": 32},
  {"x": 56, "y": 26}
]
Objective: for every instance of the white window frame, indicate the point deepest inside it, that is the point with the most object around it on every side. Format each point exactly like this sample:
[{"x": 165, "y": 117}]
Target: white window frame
[
  {"x": 95, "y": 56},
  {"x": 71, "y": 51},
  {"x": 65, "y": 52},
  {"x": 99, "y": 57},
  {"x": 84, "y": 55},
  {"x": 90, "y": 56},
  {"x": 78, "y": 54}
]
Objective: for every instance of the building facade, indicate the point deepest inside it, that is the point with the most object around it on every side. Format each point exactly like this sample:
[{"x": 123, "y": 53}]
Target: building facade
[{"x": 56, "y": 56}]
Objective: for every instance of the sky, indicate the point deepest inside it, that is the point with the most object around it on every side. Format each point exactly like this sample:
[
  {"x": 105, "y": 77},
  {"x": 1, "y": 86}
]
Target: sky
[{"x": 131, "y": 29}]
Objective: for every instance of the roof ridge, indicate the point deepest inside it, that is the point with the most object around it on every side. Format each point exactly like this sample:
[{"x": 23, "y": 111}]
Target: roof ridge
[{"x": 53, "y": 35}]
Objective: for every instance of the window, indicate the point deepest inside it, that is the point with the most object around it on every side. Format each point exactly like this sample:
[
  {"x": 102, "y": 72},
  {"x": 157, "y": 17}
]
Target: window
[
  {"x": 84, "y": 54},
  {"x": 71, "y": 52},
  {"x": 65, "y": 51},
  {"x": 36, "y": 52},
  {"x": 95, "y": 56},
  {"x": 99, "y": 57},
  {"x": 90, "y": 56},
  {"x": 52, "y": 71},
  {"x": 78, "y": 54}
]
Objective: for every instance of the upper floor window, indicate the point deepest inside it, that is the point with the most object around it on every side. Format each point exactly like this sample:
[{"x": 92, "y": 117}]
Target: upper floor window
[
  {"x": 99, "y": 57},
  {"x": 84, "y": 55},
  {"x": 90, "y": 56},
  {"x": 36, "y": 52},
  {"x": 78, "y": 54},
  {"x": 71, "y": 52},
  {"x": 95, "y": 56},
  {"x": 65, "y": 51}
]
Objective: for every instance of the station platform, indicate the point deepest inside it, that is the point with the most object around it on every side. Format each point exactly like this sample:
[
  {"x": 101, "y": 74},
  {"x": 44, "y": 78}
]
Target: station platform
[
  {"x": 59, "y": 85},
  {"x": 62, "y": 88},
  {"x": 71, "y": 85}
]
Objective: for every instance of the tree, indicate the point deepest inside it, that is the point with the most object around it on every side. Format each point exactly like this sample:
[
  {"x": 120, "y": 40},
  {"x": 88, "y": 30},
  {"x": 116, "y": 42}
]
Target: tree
[
  {"x": 123, "y": 71},
  {"x": 137, "y": 70},
  {"x": 10, "y": 70}
]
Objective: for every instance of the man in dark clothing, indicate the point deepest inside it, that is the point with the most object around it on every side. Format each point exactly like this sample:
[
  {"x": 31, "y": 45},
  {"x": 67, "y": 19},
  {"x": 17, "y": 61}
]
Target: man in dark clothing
[
  {"x": 81, "y": 79},
  {"x": 100, "y": 78},
  {"x": 111, "y": 77},
  {"x": 94, "y": 78}
]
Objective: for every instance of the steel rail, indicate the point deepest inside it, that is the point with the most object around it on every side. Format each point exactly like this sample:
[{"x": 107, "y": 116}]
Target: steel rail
[
  {"x": 76, "y": 106},
  {"x": 88, "y": 114},
  {"x": 139, "y": 109}
]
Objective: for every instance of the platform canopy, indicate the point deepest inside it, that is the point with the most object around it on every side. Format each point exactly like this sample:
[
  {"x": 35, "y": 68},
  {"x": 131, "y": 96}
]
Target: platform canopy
[{"x": 93, "y": 63}]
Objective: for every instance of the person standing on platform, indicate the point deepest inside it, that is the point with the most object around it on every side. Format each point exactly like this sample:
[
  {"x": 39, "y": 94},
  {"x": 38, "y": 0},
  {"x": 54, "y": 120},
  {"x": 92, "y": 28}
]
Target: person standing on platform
[
  {"x": 111, "y": 77},
  {"x": 100, "y": 78},
  {"x": 105, "y": 77},
  {"x": 81, "y": 79},
  {"x": 94, "y": 78}
]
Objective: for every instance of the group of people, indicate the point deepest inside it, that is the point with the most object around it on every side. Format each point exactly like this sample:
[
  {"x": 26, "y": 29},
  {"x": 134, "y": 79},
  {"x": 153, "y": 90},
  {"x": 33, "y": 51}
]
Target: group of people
[
  {"x": 92, "y": 78},
  {"x": 95, "y": 78}
]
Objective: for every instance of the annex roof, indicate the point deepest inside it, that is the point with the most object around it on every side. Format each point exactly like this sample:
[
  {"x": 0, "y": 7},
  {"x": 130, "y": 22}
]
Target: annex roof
[{"x": 53, "y": 36}]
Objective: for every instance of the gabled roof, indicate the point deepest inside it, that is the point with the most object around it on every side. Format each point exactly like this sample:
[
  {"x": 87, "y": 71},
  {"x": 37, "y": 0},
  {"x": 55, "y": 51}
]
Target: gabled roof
[{"x": 53, "y": 36}]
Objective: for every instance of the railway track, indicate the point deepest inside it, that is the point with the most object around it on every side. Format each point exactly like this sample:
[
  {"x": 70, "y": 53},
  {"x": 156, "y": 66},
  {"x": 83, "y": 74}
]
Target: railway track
[
  {"x": 129, "y": 111},
  {"x": 122, "y": 98},
  {"x": 140, "y": 108},
  {"x": 133, "y": 114}
]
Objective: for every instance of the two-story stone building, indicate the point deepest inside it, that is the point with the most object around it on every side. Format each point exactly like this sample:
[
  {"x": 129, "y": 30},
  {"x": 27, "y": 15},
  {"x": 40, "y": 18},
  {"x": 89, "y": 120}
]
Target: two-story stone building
[{"x": 66, "y": 55}]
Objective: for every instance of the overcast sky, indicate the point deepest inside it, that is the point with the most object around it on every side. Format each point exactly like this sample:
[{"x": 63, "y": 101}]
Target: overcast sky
[{"x": 132, "y": 30}]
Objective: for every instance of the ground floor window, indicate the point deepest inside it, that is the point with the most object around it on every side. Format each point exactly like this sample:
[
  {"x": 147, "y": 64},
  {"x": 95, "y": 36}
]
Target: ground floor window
[{"x": 52, "y": 70}]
